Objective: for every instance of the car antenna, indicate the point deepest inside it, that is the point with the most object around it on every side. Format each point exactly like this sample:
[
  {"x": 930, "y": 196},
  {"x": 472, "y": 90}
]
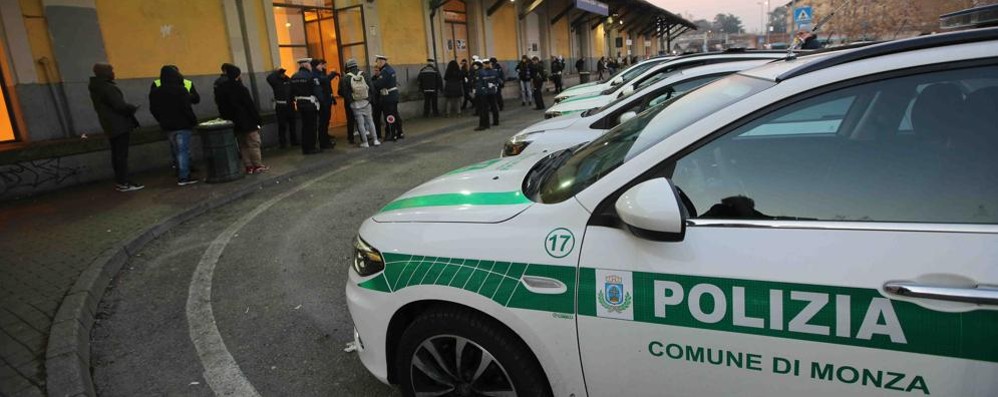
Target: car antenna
[{"x": 796, "y": 42}]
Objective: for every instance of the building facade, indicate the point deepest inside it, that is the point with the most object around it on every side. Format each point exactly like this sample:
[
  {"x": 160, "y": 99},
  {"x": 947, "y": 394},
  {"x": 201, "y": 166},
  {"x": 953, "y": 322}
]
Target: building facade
[{"x": 48, "y": 47}]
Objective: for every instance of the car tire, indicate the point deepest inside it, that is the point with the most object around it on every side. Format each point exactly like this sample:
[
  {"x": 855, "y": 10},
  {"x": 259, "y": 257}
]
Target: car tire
[{"x": 428, "y": 354}]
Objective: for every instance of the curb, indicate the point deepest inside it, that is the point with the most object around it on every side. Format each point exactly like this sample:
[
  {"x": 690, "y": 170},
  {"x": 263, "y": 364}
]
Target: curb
[{"x": 67, "y": 356}]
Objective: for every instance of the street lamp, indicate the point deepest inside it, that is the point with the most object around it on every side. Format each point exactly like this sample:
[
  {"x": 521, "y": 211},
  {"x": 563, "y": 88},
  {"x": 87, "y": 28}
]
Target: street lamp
[{"x": 763, "y": 17}]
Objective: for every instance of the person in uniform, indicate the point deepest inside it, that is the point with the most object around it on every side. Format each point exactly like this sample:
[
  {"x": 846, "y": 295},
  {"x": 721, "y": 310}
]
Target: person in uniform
[
  {"x": 280, "y": 83},
  {"x": 486, "y": 87},
  {"x": 430, "y": 82},
  {"x": 326, "y": 101},
  {"x": 538, "y": 75},
  {"x": 386, "y": 83},
  {"x": 557, "y": 67},
  {"x": 306, "y": 92},
  {"x": 502, "y": 81}
]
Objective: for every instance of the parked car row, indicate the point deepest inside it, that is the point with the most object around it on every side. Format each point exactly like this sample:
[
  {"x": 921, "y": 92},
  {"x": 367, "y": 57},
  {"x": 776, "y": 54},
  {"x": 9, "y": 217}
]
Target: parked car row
[{"x": 819, "y": 224}]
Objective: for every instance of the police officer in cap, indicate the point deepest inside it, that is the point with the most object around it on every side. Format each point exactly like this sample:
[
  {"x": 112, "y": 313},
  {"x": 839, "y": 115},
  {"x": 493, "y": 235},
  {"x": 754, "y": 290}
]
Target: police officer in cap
[
  {"x": 306, "y": 91},
  {"x": 430, "y": 82},
  {"x": 486, "y": 89},
  {"x": 386, "y": 83}
]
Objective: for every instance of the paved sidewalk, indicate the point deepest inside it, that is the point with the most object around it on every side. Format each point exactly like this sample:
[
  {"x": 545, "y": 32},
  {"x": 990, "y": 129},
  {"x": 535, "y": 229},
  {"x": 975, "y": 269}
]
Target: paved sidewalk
[{"x": 48, "y": 242}]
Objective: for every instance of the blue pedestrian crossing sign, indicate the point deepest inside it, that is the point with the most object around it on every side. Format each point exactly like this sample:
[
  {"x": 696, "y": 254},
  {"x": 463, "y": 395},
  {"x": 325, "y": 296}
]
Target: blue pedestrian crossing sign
[{"x": 802, "y": 15}]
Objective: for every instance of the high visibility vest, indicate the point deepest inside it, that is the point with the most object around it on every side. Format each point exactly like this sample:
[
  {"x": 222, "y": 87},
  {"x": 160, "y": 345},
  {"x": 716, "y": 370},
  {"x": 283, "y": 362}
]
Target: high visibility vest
[{"x": 187, "y": 84}]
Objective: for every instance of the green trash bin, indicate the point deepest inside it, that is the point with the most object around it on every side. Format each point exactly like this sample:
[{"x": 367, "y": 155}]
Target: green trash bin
[
  {"x": 221, "y": 151},
  {"x": 583, "y": 77}
]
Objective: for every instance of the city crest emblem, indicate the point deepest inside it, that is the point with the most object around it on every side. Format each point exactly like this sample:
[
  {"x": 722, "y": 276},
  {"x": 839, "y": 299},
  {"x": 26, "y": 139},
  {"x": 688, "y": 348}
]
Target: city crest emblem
[{"x": 613, "y": 297}]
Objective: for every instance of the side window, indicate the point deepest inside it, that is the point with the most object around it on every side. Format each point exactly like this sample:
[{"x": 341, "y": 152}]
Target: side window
[
  {"x": 920, "y": 148},
  {"x": 677, "y": 89}
]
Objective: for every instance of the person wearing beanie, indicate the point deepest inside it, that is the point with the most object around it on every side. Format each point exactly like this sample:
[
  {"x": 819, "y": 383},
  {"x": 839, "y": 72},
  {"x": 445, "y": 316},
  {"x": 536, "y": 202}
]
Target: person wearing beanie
[
  {"x": 117, "y": 119},
  {"x": 356, "y": 89},
  {"x": 557, "y": 67},
  {"x": 171, "y": 100},
  {"x": 430, "y": 83},
  {"x": 538, "y": 76},
  {"x": 237, "y": 106},
  {"x": 306, "y": 92}
]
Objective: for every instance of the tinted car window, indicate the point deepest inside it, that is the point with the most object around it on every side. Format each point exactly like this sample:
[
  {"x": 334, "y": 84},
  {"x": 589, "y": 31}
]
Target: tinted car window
[{"x": 846, "y": 155}]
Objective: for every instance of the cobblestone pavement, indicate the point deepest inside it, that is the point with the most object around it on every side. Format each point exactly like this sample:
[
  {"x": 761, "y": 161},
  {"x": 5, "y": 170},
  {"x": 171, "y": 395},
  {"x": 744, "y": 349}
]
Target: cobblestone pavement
[{"x": 46, "y": 242}]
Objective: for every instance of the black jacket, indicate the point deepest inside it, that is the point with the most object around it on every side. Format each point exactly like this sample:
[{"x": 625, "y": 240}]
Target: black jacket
[
  {"x": 454, "y": 84},
  {"x": 115, "y": 115},
  {"x": 170, "y": 102},
  {"x": 235, "y": 104},
  {"x": 281, "y": 84},
  {"x": 429, "y": 79}
]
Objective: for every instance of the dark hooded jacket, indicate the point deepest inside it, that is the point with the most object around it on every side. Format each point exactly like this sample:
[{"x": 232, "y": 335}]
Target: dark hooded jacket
[
  {"x": 236, "y": 105},
  {"x": 115, "y": 115},
  {"x": 170, "y": 102}
]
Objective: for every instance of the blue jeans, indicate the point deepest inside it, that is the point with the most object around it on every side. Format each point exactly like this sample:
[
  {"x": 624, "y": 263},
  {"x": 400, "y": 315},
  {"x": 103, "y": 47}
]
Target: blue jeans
[{"x": 180, "y": 145}]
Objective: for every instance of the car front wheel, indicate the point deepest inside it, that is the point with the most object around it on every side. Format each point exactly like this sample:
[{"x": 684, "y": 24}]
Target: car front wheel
[{"x": 455, "y": 352}]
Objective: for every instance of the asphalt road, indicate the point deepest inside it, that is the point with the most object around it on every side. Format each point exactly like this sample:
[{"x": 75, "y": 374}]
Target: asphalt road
[{"x": 277, "y": 288}]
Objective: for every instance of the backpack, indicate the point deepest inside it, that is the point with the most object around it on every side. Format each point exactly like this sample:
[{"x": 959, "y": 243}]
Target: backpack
[{"x": 358, "y": 87}]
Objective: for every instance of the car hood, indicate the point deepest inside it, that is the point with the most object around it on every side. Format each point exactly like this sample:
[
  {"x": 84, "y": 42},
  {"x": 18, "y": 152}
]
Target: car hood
[
  {"x": 578, "y": 104},
  {"x": 554, "y": 123},
  {"x": 486, "y": 192},
  {"x": 580, "y": 90}
]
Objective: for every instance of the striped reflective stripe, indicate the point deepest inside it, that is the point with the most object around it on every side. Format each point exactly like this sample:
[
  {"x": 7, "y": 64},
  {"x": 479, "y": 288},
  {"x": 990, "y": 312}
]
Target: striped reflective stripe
[{"x": 187, "y": 84}]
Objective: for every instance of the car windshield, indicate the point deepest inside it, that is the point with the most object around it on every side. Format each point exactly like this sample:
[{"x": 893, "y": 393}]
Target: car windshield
[{"x": 587, "y": 164}]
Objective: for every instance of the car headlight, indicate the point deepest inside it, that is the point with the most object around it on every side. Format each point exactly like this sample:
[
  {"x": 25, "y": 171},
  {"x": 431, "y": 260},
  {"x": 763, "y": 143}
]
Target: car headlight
[
  {"x": 514, "y": 147},
  {"x": 553, "y": 114},
  {"x": 558, "y": 99},
  {"x": 367, "y": 260}
]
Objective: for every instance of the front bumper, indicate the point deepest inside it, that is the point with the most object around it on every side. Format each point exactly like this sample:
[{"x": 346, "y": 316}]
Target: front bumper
[{"x": 370, "y": 311}]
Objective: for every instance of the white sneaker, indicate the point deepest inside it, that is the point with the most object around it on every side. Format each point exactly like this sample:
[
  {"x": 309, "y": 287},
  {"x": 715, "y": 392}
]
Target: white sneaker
[
  {"x": 377, "y": 142},
  {"x": 364, "y": 145}
]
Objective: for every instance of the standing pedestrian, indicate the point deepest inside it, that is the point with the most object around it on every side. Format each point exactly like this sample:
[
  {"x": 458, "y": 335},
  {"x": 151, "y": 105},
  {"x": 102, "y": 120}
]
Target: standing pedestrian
[
  {"x": 467, "y": 85},
  {"x": 539, "y": 76},
  {"x": 386, "y": 82},
  {"x": 306, "y": 91},
  {"x": 280, "y": 83},
  {"x": 580, "y": 65},
  {"x": 486, "y": 87},
  {"x": 171, "y": 100},
  {"x": 195, "y": 99},
  {"x": 600, "y": 68},
  {"x": 117, "y": 119},
  {"x": 219, "y": 81},
  {"x": 476, "y": 68},
  {"x": 453, "y": 89},
  {"x": 523, "y": 72},
  {"x": 501, "y": 74},
  {"x": 557, "y": 66},
  {"x": 326, "y": 101},
  {"x": 237, "y": 106},
  {"x": 430, "y": 83},
  {"x": 356, "y": 87}
]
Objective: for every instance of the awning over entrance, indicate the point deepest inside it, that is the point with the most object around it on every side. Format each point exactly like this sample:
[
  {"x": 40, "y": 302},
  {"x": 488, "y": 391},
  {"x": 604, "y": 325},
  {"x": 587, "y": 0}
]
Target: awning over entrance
[{"x": 637, "y": 17}]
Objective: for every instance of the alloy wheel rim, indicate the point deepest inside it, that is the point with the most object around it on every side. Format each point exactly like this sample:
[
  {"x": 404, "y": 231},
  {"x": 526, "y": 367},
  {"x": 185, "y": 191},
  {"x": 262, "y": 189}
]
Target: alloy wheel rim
[{"x": 450, "y": 365}]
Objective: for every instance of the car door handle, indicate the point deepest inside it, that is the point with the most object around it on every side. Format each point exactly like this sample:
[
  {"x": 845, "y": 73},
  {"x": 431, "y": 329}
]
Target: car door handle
[
  {"x": 981, "y": 294},
  {"x": 543, "y": 285}
]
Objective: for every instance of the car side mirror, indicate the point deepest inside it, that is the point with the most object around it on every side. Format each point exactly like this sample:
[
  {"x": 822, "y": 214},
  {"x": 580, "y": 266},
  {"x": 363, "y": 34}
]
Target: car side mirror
[
  {"x": 627, "y": 90},
  {"x": 627, "y": 116},
  {"x": 616, "y": 81},
  {"x": 652, "y": 210}
]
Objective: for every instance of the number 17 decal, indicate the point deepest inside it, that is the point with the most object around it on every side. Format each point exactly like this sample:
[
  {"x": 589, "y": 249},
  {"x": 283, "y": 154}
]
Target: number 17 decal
[{"x": 559, "y": 243}]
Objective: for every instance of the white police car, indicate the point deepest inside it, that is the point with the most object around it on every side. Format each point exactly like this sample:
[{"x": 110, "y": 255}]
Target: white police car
[
  {"x": 612, "y": 81},
  {"x": 563, "y": 132},
  {"x": 821, "y": 226},
  {"x": 579, "y": 103}
]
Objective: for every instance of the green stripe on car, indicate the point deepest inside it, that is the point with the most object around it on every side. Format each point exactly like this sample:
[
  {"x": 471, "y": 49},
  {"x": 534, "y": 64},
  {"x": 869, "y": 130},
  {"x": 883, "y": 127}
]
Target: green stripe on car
[
  {"x": 858, "y": 317},
  {"x": 455, "y": 199}
]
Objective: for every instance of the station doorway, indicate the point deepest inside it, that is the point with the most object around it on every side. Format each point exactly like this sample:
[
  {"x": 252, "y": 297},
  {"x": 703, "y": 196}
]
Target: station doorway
[
  {"x": 316, "y": 30},
  {"x": 456, "y": 30}
]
